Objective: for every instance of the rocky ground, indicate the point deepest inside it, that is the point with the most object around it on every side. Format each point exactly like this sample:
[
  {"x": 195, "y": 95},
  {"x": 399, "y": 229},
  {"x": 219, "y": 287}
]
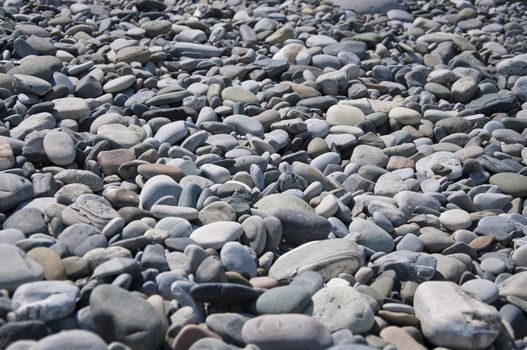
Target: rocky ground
[{"x": 301, "y": 174}]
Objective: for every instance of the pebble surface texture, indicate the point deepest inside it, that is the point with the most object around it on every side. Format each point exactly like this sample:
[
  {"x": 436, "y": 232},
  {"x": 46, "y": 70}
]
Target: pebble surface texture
[{"x": 263, "y": 175}]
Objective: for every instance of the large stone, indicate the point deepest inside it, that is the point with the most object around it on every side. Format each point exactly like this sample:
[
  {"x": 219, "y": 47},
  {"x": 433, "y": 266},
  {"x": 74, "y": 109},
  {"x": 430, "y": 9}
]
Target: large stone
[
  {"x": 31, "y": 85},
  {"x": 45, "y": 300},
  {"x": 79, "y": 239},
  {"x": 371, "y": 6},
  {"x": 299, "y": 227},
  {"x": 513, "y": 66},
  {"x": 202, "y": 50},
  {"x": 16, "y": 268},
  {"x": 450, "y": 317},
  {"x": 71, "y": 108},
  {"x": 14, "y": 190},
  {"x": 50, "y": 261},
  {"x": 89, "y": 210},
  {"x": 364, "y": 154},
  {"x": 71, "y": 339},
  {"x": 157, "y": 187},
  {"x": 7, "y": 157},
  {"x": 516, "y": 286},
  {"x": 286, "y": 332},
  {"x": 122, "y": 316},
  {"x": 119, "y": 84},
  {"x": 283, "y": 300},
  {"x": 278, "y": 201},
  {"x": 328, "y": 257},
  {"x": 133, "y": 54},
  {"x": 510, "y": 183},
  {"x": 344, "y": 115},
  {"x": 405, "y": 116},
  {"x": 121, "y": 136},
  {"x": 448, "y": 163},
  {"x": 238, "y": 94},
  {"x": 370, "y": 235},
  {"x": 342, "y": 307},
  {"x": 85, "y": 177},
  {"x": 217, "y": 234},
  {"x": 35, "y": 122},
  {"x": 493, "y": 103},
  {"x": 59, "y": 148}
]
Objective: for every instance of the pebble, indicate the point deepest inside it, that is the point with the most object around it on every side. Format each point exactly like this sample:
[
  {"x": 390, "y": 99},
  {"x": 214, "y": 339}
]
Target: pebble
[{"x": 441, "y": 304}]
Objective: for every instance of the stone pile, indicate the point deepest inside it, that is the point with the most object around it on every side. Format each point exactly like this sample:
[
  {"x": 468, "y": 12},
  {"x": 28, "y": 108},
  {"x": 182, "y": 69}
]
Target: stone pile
[{"x": 228, "y": 174}]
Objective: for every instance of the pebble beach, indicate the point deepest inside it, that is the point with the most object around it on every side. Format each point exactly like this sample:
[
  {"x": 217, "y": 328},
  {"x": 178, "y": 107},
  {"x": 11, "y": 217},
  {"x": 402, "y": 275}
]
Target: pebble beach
[{"x": 263, "y": 175}]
